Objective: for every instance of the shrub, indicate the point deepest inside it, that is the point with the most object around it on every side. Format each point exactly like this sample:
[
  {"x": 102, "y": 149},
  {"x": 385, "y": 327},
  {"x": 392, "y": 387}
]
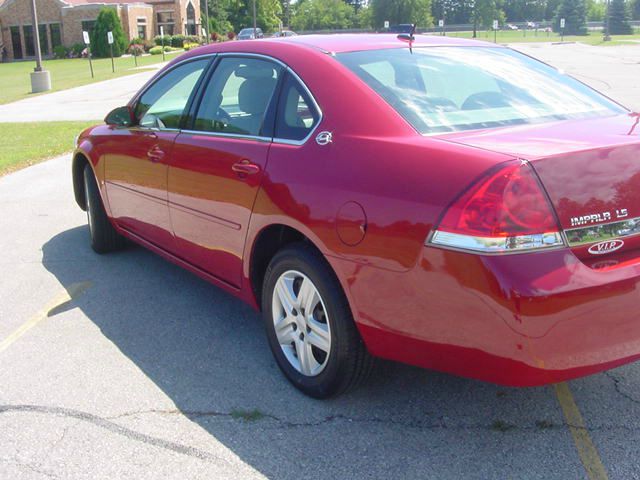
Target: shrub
[
  {"x": 108, "y": 21},
  {"x": 77, "y": 49},
  {"x": 214, "y": 36},
  {"x": 231, "y": 35},
  {"x": 136, "y": 50},
  {"x": 61, "y": 51},
  {"x": 177, "y": 41},
  {"x": 157, "y": 50},
  {"x": 190, "y": 46},
  {"x": 158, "y": 40},
  {"x": 192, "y": 39}
]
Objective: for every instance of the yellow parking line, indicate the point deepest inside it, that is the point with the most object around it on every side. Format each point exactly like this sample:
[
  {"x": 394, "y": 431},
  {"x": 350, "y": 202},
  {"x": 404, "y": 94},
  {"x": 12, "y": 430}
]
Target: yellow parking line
[
  {"x": 586, "y": 449},
  {"x": 71, "y": 292}
]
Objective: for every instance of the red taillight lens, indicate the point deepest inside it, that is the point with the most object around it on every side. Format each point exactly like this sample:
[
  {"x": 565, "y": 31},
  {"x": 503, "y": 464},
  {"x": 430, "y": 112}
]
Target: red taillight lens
[{"x": 507, "y": 203}]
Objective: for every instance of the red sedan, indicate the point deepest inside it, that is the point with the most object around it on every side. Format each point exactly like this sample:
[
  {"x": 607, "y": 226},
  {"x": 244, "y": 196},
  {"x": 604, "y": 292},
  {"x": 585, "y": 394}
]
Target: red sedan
[{"x": 446, "y": 203}]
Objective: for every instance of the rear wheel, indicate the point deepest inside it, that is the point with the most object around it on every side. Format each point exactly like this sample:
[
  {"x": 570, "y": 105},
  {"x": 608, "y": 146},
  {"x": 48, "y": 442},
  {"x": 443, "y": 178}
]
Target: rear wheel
[
  {"x": 104, "y": 237},
  {"x": 309, "y": 324}
]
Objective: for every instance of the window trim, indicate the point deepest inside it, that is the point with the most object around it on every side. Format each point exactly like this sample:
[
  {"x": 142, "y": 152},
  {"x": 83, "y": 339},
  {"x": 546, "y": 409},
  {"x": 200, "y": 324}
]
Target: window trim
[
  {"x": 194, "y": 102},
  {"x": 258, "y": 138},
  {"x": 314, "y": 105}
]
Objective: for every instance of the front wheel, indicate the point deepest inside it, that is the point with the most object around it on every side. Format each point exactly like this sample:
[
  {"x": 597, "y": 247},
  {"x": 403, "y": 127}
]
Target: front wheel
[{"x": 309, "y": 324}]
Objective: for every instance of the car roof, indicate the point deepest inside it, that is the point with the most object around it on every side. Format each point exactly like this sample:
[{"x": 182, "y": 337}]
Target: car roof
[{"x": 340, "y": 43}]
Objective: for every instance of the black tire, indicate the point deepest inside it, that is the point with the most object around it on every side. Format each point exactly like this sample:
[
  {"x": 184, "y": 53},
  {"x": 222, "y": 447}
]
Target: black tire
[
  {"x": 104, "y": 237},
  {"x": 348, "y": 362}
]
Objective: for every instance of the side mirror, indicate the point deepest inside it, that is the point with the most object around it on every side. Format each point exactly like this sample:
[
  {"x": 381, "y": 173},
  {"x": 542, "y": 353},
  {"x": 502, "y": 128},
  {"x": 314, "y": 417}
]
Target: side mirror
[{"x": 120, "y": 117}]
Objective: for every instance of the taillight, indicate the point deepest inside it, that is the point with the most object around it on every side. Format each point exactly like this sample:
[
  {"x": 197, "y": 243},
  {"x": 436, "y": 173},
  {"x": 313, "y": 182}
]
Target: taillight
[{"x": 506, "y": 211}]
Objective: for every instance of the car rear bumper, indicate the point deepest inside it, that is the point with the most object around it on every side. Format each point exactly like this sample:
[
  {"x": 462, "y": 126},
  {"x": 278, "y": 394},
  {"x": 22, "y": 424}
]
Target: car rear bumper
[{"x": 526, "y": 319}]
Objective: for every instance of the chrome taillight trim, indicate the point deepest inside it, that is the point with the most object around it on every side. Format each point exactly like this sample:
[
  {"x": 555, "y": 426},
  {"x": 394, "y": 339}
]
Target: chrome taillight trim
[
  {"x": 496, "y": 245},
  {"x": 604, "y": 231}
]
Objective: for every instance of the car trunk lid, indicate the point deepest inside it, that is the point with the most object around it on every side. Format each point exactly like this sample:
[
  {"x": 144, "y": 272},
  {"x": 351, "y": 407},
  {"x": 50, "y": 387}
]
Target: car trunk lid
[{"x": 591, "y": 172}]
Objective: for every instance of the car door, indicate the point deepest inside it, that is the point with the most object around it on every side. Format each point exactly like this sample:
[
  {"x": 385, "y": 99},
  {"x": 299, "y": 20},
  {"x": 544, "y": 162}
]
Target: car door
[
  {"x": 136, "y": 163},
  {"x": 219, "y": 161}
]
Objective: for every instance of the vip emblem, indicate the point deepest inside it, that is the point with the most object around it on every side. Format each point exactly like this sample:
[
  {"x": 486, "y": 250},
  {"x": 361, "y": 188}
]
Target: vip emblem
[{"x": 605, "y": 247}]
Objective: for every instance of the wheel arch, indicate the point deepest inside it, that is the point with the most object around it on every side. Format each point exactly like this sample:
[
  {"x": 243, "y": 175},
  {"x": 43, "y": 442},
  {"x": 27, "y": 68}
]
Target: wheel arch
[
  {"x": 267, "y": 242},
  {"x": 80, "y": 160}
]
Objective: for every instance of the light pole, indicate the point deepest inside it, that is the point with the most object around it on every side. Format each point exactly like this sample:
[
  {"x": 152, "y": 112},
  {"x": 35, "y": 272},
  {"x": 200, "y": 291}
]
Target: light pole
[
  {"x": 40, "y": 78},
  {"x": 607, "y": 36},
  {"x": 255, "y": 31},
  {"x": 206, "y": 14}
]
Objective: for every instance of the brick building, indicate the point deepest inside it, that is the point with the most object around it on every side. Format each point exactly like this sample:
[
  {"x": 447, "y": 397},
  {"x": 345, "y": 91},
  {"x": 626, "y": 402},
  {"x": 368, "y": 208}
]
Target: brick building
[{"x": 61, "y": 22}]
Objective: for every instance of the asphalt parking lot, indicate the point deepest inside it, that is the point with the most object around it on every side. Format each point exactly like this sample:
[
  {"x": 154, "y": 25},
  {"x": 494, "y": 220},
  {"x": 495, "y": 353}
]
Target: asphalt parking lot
[{"x": 125, "y": 366}]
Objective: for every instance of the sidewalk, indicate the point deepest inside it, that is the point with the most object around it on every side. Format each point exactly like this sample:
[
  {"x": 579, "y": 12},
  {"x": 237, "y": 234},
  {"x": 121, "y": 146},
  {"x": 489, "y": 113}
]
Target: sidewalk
[{"x": 89, "y": 102}]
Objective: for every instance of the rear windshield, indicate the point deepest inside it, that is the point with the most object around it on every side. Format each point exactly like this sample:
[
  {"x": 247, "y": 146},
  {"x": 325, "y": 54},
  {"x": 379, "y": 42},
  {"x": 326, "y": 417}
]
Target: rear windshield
[{"x": 447, "y": 89}]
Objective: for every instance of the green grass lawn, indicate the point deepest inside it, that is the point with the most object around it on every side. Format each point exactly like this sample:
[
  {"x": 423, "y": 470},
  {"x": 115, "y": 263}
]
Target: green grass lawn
[
  {"x": 54, "y": 138},
  {"x": 517, "y": 36},
  {"x": 67, "y": 73}
]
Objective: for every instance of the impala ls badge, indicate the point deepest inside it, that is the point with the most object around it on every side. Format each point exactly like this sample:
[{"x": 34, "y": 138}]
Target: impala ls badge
[
  {"x": 605, "y": 247},
  {"x": 324, "y": 138}
]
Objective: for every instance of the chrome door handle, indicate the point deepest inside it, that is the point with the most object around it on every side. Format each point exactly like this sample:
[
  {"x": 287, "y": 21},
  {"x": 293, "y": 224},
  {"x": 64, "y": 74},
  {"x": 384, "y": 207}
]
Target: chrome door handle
[
  {"x": 245, "y": 167},
  {"x": 155, "y": 154}
]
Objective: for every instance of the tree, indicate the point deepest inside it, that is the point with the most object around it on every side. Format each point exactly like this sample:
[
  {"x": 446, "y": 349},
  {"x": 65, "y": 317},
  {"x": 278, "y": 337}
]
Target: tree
[
  {"x": 619, "y": 17},
  {"x": 108, "y": 21},
  {"x": 635, "y": 10},
  {"x": 322, "y": 15},
  {"x": 240, "y": 14},
  {"x": 484, "y": 13},
  {"x": 575, "y": 14},
  {"x": 402, "y": 11},
  {"x": 596, "y": 10}
]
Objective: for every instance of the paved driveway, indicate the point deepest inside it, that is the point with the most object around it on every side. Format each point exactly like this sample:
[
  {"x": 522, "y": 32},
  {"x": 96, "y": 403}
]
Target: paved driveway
[{"x": 89, "y": 102}]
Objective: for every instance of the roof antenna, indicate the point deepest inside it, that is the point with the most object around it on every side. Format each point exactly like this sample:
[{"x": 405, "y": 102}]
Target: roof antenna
[{"x": 410, "y": 37}]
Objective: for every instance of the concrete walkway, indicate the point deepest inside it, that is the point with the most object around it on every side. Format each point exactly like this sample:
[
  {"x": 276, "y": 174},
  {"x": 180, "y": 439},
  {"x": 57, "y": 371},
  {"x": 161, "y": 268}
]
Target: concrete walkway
[{"x": 88, "y": 102}]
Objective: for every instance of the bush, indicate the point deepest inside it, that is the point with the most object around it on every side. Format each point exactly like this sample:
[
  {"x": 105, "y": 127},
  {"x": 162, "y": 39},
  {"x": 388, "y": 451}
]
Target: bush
[
  {"x": 77, "y": 49},
  {"x": 177, "y": 41},
  {"x": 190, "y": 46},
  {"x": 157, "y": 50},
  {"x": 158, "y": 40},
  {"x": 231, "y": 35},
  {"x": 192, "y": 39},
  {"x": 61, "y": 51},
  {"x": 136, "y": 50},
  {"x": 108, "y": 21},
  {"x": 214, "y": 36}
]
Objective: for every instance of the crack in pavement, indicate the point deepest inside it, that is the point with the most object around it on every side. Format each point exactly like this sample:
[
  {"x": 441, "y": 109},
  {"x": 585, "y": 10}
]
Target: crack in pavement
[
  {"x": 108, "y": 424},
  {"x": 114, "y": 428},
  {"x": 616, "y": 385}
]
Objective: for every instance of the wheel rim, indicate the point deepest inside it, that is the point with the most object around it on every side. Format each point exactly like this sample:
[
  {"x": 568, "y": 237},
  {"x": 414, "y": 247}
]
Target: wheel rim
[{"x": 301, "y": 323}]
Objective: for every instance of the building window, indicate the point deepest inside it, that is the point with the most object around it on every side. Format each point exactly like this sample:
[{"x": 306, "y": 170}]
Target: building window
[
  {"x": 87, "y": 25},
  {"x": 166, "y": 20},
  {"x": 191, "y": 19},
  {"x": 142, "y": 28},
  {"x": 16, "y": 43},
  {"x": 44, "y": 40},
  {"x": 56, "y": 36},
  {"x": 30, "y": 50}
]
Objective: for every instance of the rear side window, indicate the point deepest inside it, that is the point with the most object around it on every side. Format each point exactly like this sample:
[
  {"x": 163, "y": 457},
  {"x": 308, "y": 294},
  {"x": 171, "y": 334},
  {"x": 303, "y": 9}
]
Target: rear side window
[
  {"x": 163, "y": 104},
  {"x": 297, "y": 114},
  {"x": 238, "y": 96}
]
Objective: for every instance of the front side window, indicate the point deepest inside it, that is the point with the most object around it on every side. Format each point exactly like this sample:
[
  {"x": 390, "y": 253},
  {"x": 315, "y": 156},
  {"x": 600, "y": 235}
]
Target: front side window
[
  {"x": 446, "y": 89},
  {"x": 297, "y": 114},
  {"x": 238, "y": 96},
  {"x": 164, "y": 103}
]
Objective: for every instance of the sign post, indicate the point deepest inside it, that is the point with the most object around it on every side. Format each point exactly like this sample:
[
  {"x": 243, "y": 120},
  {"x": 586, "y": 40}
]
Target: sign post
[
  {"x": 110, "y": 40},
  {"x": 562, "y": 24},
  {"x": 386, "y": 24},
  {"x": 162, "y": 40},
  {"x": 87, "y": 42},
  {"x": 495, "y": 31},
  {"x": 441, "y": 25}
]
